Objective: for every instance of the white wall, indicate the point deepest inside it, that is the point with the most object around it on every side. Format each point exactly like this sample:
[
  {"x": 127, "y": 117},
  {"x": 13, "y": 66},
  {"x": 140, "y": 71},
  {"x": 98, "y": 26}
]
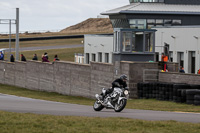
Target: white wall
[
  {"x": 180, "y": 39},
  {"x": 94, "y": 44}
]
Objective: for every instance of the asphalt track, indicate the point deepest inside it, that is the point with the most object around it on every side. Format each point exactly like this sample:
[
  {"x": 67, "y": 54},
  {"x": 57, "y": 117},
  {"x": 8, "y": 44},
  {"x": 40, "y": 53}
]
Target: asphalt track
[
  {"x": 12, "y": 103},
  {"x": 48, "y": 47}
]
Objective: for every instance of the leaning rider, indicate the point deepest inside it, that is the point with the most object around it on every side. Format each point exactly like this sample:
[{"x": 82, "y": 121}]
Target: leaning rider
[{"x": 120, "y": 82}]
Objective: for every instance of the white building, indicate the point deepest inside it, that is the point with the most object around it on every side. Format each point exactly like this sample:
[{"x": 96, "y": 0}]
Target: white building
[{"x": 98, "y": 48}]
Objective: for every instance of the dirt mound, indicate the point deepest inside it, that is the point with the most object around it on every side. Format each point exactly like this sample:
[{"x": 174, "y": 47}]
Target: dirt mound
[{"x": 93, "y": 25}]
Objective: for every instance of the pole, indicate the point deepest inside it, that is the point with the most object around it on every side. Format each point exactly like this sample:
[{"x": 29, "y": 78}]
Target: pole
[
  {"x": 17, "y": 35},
  {"x": 9, "y": 39}
]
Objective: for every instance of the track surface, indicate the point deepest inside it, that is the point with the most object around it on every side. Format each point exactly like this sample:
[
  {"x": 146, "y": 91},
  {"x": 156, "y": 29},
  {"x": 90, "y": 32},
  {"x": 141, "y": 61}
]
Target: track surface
[{"x": 27, "y": 105}]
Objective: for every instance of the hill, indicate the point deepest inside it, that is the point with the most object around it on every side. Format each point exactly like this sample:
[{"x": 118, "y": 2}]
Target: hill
[{"x": 91, "y": 25}]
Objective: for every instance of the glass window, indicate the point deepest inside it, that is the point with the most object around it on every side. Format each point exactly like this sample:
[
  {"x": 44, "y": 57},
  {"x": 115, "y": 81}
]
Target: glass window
[
  {"x": 167, "y": 22},
  {"x": 138, "y": 42},
  {"x": 100, "y": 57},
  {"x": 107, "y": 57},
  {"x": 151, "y": 21},
  {"x": 149, "y": 26},
  {"x": 126, "y": 41},
  {"x": 137, "y": 23},
  {"x": 93, "y": 57},
  {"x": 133, "y": 42},
  {"x": 116, "y": 42},
  {"x": 149, "y": 42},
  {"x": 176, "y": 22},
  {"x": 159, "y": 21}
]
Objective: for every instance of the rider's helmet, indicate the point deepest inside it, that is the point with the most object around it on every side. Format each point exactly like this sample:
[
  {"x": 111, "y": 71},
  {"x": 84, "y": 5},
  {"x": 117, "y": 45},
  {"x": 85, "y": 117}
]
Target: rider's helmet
[{"x": 123, "y": 77}]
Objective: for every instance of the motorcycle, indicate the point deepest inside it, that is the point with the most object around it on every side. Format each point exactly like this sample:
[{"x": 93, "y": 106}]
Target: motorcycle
[{"x": 116, "y": 100}]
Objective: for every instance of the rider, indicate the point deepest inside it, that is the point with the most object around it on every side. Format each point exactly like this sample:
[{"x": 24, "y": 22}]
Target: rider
[{"x": 120, "y": 82}]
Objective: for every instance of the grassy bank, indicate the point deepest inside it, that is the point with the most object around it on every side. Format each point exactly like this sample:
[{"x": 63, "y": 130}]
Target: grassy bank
[
  {"x": 145, "y": 104},
  {"x": 39, "y": 43},
  {"x": 32, "y": 123}
]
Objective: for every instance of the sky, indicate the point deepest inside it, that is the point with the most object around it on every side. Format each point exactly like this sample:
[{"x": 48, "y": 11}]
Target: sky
[{"x": 52, "y": 15}]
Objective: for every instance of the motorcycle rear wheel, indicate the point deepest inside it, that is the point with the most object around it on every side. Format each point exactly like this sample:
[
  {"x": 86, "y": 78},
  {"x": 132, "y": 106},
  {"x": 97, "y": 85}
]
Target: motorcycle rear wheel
[
  {"x": 119, "y": 107},
  {"x": 98, "y": 106}
]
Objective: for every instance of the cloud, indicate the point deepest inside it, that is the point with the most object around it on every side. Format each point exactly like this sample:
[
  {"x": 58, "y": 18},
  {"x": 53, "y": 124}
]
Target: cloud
[{"x": 54, "y": 14}]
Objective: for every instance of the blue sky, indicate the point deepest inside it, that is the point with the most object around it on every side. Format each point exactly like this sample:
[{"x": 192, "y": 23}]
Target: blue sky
[{"x": 38, "y": 15}]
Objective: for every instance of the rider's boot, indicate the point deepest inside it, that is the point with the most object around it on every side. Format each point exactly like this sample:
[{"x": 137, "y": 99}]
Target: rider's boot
[{"x": 103, "y": 94}]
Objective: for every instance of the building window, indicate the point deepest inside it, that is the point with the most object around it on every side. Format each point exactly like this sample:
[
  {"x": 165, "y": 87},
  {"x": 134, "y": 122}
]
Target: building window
[
  {"x": 107, "y": 57},
  {"x": 116, "y": 42},
  {"x": 167, "y": 22},
  {"x": 137, "y": 42},
  {"x": 126, "y": 41},
  {"x": 149, "y": 41},
  {"x": 159, "y": 22},
  {"x": 93, "y": 57},
  {"x": 176, "y": 22},
  {"x": 100, "y": 57},
  {"x": 137, "y": 23},
  {"x": 87, "y": 58},
  {"x": 151, "y": 23}
]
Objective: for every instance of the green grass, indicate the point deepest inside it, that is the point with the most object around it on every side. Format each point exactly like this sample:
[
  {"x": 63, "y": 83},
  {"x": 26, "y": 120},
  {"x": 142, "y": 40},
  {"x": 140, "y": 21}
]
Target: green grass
[
  {"x": 33, "y": 123},
  {"x": 12, "y": 90},
  {"x": 38, "y": 43},
  {"x": 66, "y": 54},
  {"x": 145, "y": 104}
]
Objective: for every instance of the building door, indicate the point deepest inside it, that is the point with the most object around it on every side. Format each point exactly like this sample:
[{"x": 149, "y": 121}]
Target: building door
[
  {"x": 181, "y": 58},
  {"x": 191, "y": 62},
  {"x": 170, "y": 56}
]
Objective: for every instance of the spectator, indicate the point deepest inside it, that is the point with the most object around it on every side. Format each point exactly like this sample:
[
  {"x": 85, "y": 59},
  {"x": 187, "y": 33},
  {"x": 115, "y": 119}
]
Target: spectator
[
  {"x": 198, "y": 71},
  {"x": 46, "y": 55},
  {"x": 23, "y": 58},
  {"x": 181, "y": 70},
  {"x": 44, "y": 59},
  {"x": 35, "y": 57},
  {"x": 56, "y": 58},
  {"x": 12, "y": 58},
  {"x": 1, "y": 56},
  {"x": 164, "y": 59}
]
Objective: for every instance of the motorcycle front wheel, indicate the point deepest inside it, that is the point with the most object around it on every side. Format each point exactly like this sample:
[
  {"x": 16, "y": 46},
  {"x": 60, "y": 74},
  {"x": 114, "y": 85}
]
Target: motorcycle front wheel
[
  {"x": 119, "y": 107},
  {"x": 98, "y": 106}
]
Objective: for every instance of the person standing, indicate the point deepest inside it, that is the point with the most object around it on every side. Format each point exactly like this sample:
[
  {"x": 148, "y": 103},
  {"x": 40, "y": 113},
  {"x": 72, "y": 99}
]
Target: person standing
[
  {"x": 12, "y": 58},
  {"x": 1, "y": 56},
  {"x": 164, "y": 60}
]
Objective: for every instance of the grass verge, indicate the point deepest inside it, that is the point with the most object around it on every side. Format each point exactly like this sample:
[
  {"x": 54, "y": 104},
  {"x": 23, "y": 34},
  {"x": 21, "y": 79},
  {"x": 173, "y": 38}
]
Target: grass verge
[
  {"x": 32, "y": 123},
  {"x": 145, "y": 104},
  {"x": 39, "y": 43}
]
